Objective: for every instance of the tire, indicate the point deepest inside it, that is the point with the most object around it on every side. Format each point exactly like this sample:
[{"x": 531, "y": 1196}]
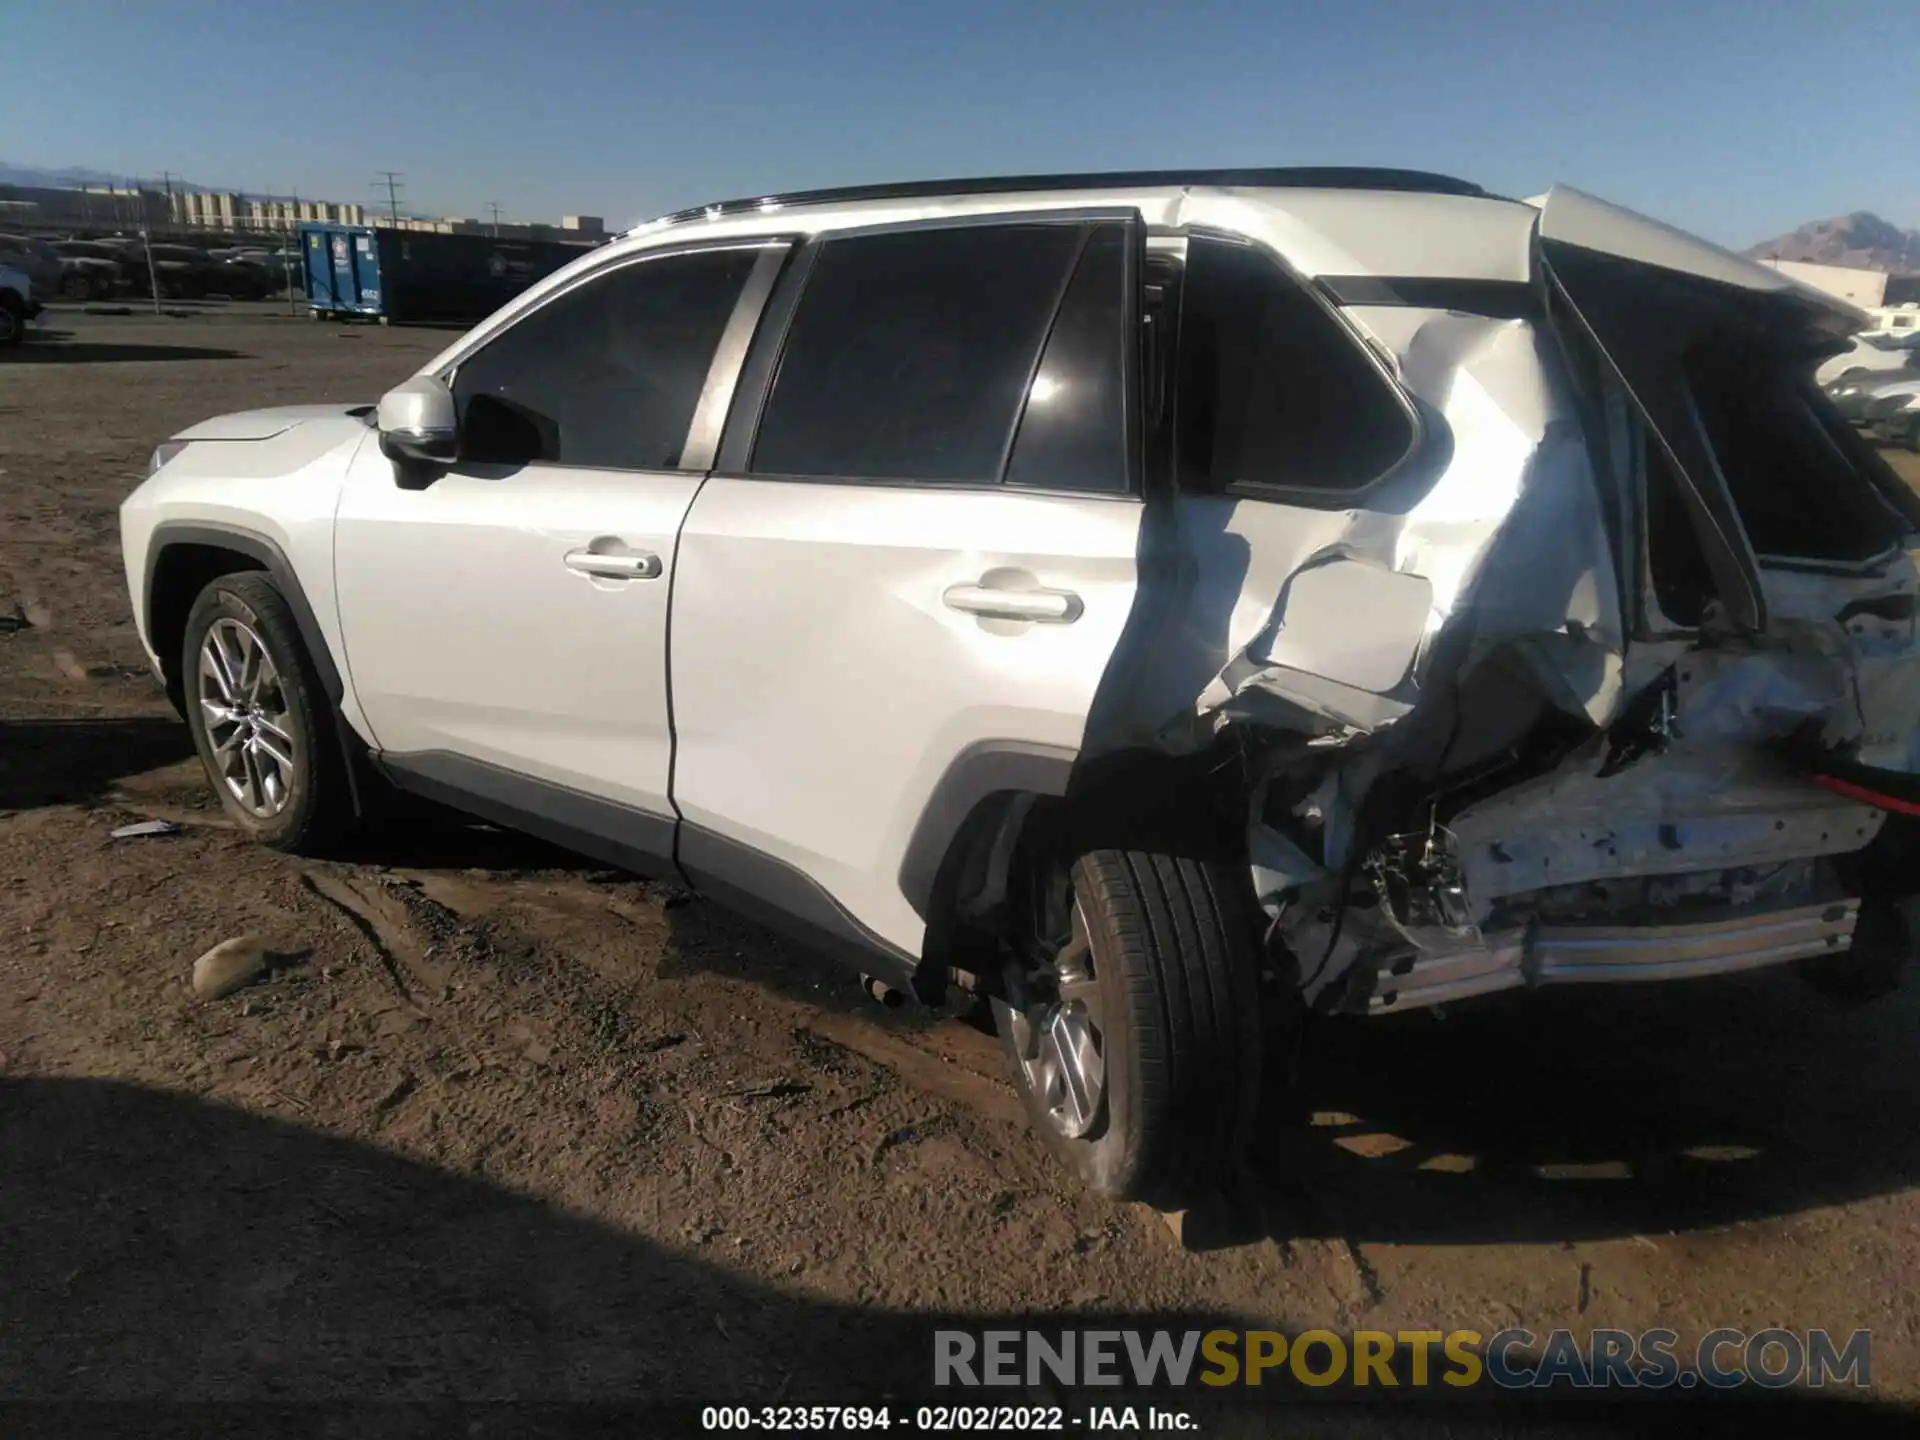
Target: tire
[
  {"x": 1870, "y": 969},
  {"x": 13, "y": 324},
  {"x": 76, "y": 286},
  {"x": 314, "y": 804},
  {"x": 1174, "y": 992}
]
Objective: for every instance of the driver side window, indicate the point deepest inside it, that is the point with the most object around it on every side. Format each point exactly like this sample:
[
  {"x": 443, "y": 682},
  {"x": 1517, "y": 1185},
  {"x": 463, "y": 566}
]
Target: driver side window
[{"x": 607, "y": 375}]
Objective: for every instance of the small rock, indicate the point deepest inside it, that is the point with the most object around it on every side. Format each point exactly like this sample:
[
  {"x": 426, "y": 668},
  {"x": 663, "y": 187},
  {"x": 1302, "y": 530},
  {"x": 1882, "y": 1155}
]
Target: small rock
[
  {"x": 228, "y": 966},
  {"x": 64, "y": 662},
  {"x": 395, "y": 1093}
]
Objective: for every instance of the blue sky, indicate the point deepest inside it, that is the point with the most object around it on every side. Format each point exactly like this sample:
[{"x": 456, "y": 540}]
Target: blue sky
[{"x": 1736, "y": 120}]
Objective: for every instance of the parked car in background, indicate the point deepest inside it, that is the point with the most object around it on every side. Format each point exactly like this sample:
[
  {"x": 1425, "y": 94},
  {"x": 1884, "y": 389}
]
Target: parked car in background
[
  {"x": 1855, "y": 395},
  {"x": 90, "y": 270},
  {"x": 271, "y": 261},
  {"x": 1892, "y": 410},
  {"x": 17, "y": 305},
  {"x": 1869, "y": 352},
  {"x": 254, "y": 280},
  {"x": 37, "y": 260},
  {"x": 186, "y": 272},
  {"x": 1162, "y": 604}
]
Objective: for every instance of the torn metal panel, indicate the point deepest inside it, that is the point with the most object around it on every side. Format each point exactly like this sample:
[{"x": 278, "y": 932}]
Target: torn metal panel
[
  {"x": 1573, "y": 217},
  {"x": 1343, "y": 630}
]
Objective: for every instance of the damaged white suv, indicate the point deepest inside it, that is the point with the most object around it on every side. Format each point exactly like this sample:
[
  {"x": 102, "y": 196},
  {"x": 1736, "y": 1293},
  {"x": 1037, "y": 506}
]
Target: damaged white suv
[{"x": 1163, "y": 604}]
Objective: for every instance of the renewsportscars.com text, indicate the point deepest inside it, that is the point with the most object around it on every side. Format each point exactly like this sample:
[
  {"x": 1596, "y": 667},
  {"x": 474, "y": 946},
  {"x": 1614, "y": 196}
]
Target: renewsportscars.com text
[{"x": 1510, "y": 1359}]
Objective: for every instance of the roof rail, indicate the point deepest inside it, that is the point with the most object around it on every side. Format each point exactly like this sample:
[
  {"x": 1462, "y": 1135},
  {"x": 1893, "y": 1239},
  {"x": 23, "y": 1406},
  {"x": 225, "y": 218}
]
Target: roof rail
[{"x": 1322, "y": 177}]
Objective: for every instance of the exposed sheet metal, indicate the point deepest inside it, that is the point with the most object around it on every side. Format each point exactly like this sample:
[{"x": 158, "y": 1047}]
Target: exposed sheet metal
[
  {"x": 1502, "y": 548},
  {"x": 1572, "y": 217}
]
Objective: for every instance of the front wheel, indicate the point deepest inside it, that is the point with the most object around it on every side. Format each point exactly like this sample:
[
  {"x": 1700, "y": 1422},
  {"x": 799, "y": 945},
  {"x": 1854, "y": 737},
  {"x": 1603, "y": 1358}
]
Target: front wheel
[
  {"x": 261, "y": 719},
  {"x": 1136, "y": 1034}
]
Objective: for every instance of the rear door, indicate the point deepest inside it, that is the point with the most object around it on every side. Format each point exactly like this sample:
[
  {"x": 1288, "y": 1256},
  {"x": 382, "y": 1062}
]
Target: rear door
[
  {"x": 319, "y": 268},
  {"x": 506, "y": 623},
  {"x": 918, "y": 550}
]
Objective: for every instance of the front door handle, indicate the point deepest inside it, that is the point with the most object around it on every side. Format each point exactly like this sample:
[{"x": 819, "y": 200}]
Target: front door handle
[
  {"x": 639, "y": 565},
  {"x": 1053, "y": 607}
]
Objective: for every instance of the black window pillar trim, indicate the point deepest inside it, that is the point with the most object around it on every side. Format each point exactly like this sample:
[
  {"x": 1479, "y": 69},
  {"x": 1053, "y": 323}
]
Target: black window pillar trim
[{"x": 1019, "y": 416}]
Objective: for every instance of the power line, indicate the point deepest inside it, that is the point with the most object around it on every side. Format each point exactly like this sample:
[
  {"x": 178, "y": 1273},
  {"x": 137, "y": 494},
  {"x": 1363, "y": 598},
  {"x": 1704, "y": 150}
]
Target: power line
[
  {"x": 494, "y": 206},
  {"x": 391, "y": 179}
]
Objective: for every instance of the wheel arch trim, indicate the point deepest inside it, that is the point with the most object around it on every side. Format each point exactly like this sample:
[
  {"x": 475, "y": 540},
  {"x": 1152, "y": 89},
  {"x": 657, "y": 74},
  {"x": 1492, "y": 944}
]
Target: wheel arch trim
[
  {"x": 170, "y": 534},
  {"x": 976, "y": 774}
]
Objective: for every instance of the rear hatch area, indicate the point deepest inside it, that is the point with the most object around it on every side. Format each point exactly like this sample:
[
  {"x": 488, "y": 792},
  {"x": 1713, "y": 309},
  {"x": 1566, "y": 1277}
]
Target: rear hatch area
[{"x": 1703, "y": 782}]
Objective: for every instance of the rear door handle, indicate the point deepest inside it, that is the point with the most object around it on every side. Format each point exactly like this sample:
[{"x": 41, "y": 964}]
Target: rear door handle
[
  {"x": 641, "y": 565},
  {"x": 1053, "y": 607}
]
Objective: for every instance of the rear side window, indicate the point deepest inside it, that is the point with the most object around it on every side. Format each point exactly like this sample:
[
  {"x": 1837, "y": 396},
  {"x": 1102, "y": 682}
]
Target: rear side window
[
  {"x": 910, "y": 354},
  {"x": 1272, "y": 390},
  {"x": 609, "y": 374}
]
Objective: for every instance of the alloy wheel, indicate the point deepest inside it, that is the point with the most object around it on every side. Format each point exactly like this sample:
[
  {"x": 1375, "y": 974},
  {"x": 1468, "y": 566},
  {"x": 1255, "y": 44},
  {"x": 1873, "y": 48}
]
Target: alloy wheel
[
  {"x": 245, "y": 710},
  {"x": 1056, "y": 1035}
]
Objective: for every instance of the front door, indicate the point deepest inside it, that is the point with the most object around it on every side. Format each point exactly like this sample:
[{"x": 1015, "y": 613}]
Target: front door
[
  {"x": 919, "y": 548},
  {"x": 505, "y": 623}
]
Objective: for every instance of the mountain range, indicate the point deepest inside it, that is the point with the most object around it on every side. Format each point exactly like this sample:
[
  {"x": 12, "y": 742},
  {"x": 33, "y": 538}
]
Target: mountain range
[{"x": 1861, "y": 240}]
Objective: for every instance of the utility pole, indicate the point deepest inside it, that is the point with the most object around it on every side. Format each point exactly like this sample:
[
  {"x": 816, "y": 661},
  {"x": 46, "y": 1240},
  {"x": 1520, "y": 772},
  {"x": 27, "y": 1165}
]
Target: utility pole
[
  {"x": 494, "y": 206},
  {"x": 391, "y": 178}
]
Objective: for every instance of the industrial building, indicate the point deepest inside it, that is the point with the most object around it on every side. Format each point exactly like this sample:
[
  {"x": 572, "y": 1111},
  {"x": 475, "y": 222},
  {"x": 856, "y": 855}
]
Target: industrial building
[
  {"x": 1871, "y": 290},
  {"x": 133, "y": 207}
]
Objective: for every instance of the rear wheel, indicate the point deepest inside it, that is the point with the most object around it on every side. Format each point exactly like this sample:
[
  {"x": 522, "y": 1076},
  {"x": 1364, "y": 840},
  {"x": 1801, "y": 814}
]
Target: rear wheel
[
  {"x": 13, "y": 322},
  {"x": 1870, "y": 968},
  {"x": 261, "y": 719},
  {"x": 1134, "y": 1026}
]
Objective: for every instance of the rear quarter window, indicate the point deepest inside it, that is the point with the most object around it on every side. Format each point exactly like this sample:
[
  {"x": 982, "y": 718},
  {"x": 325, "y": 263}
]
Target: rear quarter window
[{"x": 1273, "y": 392}]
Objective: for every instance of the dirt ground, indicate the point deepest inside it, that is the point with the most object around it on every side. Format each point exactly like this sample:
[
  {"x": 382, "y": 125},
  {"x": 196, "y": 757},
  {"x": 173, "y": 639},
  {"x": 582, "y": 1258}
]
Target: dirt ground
[{"x": 504, "y": 1125}]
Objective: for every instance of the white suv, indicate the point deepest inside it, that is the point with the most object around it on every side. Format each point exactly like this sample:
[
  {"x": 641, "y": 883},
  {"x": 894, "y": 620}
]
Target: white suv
[{"x": 1165, "y": 604}]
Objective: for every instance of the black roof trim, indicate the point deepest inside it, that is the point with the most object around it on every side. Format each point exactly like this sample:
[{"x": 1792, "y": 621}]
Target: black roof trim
[{"x": 1323, "y": 177}]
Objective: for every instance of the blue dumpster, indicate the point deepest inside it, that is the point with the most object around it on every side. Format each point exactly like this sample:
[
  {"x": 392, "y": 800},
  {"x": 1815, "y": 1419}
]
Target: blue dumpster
[{"x": 401, "y": 275}]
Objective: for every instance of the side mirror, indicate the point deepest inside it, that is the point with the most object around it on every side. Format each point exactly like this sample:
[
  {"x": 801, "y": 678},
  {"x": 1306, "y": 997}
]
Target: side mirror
[{"x": 418, "y": 422}]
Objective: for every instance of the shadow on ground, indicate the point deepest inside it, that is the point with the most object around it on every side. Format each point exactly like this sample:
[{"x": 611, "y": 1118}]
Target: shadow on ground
[
  {"x": 53, "y": 349},
  {"x": 161, "y": 1249},
  {"x": 75, "y": 762},
  {"x": 1598, "y": 1112}
]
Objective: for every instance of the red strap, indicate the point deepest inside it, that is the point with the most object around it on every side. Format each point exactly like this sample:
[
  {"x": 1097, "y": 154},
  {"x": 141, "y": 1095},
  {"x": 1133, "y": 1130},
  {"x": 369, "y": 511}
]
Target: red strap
[{"x": 1866, "y": 796}]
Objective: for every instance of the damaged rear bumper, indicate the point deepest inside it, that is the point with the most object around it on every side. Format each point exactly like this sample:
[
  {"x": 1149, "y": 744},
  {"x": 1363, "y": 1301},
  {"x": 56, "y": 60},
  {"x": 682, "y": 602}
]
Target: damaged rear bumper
[{"x": 1604, "y": 954}]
